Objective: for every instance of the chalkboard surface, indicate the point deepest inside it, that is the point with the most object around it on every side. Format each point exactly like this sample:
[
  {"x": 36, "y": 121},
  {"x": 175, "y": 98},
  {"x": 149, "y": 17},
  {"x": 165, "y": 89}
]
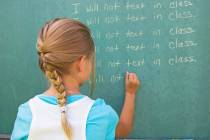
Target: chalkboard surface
[{"x": 165, "y": 42}]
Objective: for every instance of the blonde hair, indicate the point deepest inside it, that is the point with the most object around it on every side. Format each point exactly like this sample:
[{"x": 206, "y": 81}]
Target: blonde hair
[{"x": 60, "y": 42}]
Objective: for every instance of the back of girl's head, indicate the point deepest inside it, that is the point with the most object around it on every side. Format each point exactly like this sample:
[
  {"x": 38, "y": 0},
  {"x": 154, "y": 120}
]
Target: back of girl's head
[{"x": 60, "y": 42}]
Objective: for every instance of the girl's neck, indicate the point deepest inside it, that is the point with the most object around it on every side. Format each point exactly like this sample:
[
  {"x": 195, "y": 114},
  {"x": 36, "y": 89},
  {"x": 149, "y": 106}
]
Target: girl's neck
[
  {"x": 70, "y": 90},
  {"x": 71, "y": 85}
]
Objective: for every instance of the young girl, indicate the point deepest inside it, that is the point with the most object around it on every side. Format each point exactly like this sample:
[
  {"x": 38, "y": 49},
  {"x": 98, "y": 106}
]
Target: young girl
[{"x": 66, "y": 56}]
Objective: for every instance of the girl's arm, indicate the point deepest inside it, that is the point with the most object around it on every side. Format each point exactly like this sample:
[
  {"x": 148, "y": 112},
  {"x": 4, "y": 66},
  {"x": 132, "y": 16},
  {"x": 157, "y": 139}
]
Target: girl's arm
[{"x": 125, "y": 123}]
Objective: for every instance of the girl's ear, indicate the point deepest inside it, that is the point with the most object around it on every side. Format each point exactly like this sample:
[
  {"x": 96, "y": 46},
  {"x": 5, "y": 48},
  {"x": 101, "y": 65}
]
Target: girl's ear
[{"x": 82, "y": 61}]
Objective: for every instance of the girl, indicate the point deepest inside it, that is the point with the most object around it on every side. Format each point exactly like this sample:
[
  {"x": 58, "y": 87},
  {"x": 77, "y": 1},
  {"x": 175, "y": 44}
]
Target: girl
[{"x": 66, "y": 56}]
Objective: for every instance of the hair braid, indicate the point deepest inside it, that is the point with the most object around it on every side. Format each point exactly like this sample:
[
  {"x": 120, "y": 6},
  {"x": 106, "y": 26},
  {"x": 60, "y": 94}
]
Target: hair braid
[{"x": 56, "y": 80}]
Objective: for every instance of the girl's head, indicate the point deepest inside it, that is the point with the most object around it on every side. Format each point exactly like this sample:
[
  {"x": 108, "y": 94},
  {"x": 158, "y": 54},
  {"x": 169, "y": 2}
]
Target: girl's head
[{"x": 66, "y": 49}]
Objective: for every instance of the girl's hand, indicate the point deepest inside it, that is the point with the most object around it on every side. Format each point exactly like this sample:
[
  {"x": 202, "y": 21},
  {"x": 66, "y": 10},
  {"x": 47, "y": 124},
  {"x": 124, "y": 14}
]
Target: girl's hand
[{"x": 131, "y": 83}]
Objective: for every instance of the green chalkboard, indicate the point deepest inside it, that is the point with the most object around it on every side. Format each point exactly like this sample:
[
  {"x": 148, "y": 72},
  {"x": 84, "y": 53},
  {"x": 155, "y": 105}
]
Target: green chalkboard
[{"x": 165, "y": 42}]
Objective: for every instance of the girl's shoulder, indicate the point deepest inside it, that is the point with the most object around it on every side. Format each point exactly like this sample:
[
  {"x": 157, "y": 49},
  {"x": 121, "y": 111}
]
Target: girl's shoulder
[
  {"x": 100, "y": 107},
  {"x": 101, "y": 111},
  {"x": 103, "y": 119}
]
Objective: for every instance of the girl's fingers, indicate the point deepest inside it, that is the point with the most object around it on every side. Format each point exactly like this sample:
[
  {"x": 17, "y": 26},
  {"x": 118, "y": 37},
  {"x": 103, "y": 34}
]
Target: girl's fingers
[
  {"x": 131, "y": 77},
  {"x": 134, "y": 78}
]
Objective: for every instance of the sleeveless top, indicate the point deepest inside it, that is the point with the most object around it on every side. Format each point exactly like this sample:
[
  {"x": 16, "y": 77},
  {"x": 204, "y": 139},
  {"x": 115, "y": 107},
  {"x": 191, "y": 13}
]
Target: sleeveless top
[{"x": 46, "y": 122}]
